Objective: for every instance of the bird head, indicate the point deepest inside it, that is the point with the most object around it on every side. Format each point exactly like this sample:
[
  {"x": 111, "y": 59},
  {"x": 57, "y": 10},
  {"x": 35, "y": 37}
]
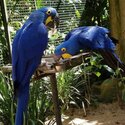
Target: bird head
[
  {"x": 47, "y": 15},
  {"x": 68, "y": 48},
  {"x": 51, "y": 18}
]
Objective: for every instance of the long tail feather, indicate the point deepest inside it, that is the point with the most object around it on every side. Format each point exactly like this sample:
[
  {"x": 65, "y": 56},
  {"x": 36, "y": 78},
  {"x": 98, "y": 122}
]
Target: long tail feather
[
  {"x": 16, "y": 86},
  {"x": 22, "y": 102},
  {"x": 22, "y": 90}
]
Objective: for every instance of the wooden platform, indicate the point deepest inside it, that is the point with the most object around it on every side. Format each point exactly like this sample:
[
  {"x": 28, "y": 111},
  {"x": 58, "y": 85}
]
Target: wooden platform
[{"x": 49, "y": 67}]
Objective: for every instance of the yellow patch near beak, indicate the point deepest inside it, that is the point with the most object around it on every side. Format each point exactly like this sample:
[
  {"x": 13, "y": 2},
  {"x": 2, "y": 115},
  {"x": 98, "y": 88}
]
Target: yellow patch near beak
[
  {"x": 49, "y": 19},
  {"x": 66, "y": 55}
]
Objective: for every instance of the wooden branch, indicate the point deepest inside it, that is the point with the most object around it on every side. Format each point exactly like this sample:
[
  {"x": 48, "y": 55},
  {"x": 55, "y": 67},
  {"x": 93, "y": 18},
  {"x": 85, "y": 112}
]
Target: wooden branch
[{"x": 49, "y": 66}]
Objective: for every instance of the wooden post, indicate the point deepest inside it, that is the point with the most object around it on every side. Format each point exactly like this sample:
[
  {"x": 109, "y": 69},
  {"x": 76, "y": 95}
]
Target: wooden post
[
  {"x": 45, "y": 70},
  {"x": 55, "y": 99}
]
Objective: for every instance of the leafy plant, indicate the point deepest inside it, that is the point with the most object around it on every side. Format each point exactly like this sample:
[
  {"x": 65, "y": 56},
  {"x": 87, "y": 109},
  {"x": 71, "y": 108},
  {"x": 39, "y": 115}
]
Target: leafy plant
[
  {"x": 65, "y": 80},
  {"x": 71, "y": 88},
  {"x": 6, "y": 100},
  {"x": 40, "y": 102},
  {"x": 96, "y": 12},
  {"x": 3, "y": 45},
  {"x": 38, "y": 4}
]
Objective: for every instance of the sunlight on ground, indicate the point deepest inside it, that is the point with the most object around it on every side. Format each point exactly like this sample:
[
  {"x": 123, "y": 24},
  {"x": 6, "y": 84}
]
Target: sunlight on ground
[
  {"x": 79, "y": 121},
  {"x": 104, "y": 114},
  {"x": 76, "y": 121}
]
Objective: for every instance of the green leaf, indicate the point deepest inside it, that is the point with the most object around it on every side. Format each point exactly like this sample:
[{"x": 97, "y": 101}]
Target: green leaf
[
  {"x": 38, "y": 4},
  {"x": 77, "y": 13},
  {"x": 97, "y": 74}
]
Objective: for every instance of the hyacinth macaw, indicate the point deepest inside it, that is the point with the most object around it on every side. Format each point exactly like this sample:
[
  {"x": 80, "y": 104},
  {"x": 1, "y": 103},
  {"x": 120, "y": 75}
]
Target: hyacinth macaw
[
  {"x": 27, "y": 49},
  {"x": 90, "y": 38}
]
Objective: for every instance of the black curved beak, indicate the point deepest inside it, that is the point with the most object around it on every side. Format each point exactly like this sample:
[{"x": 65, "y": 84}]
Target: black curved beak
[
  {"x": 56, "y": 21},
  {"x": 53, "y": 23}
]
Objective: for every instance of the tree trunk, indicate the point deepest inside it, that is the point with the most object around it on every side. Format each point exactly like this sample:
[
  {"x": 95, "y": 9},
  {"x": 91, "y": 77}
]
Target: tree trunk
[
  {"x": 117, "y": 23},
  {"x": 122, "y": 33}
]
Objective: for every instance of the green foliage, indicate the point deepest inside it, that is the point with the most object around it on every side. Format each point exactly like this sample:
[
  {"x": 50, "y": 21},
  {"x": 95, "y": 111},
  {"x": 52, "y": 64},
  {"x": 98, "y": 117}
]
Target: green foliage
[
  {"x": 94, "y": 65},
  {"x": 40, "y": 102},
  {"x": 3, "y": 44},
  {"x": 6, "y": 100},
  {"x": 95, "y": 13},
  {"x": 54, "y": 39},
  {"x": 77, "y": 13},
  {"x": 38, "y": 4},
  {"x": 65, "y": 87},
  {"x": 121, "y": 85},
  {"x": 71, "y": 24},
  {"x": 72, "y": 88}
]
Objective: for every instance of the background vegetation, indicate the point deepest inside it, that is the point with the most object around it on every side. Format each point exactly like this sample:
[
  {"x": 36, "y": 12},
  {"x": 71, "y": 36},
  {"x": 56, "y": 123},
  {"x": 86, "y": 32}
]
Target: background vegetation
[{"x": 77, "y": 87}]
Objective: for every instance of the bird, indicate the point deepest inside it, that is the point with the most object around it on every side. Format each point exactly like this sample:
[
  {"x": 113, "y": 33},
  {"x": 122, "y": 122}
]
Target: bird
[
  {"x": 28, "y": 47},
  {"x": 91, "y": 38}
]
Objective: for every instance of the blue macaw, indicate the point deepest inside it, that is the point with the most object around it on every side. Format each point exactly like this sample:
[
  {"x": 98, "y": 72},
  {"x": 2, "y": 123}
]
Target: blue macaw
[
  {"x": 27, "y": 49},
  {"x": 90, "y": 38}
]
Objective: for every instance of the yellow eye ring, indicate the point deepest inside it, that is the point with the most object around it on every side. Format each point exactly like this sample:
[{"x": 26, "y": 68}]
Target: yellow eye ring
[
  {"x": 48, "y": 12},
  {"x": 63, "y": 49}
]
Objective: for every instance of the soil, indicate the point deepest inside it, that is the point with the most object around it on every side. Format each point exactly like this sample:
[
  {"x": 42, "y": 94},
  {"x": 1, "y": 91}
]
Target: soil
[{"x": 104, "y": 114}]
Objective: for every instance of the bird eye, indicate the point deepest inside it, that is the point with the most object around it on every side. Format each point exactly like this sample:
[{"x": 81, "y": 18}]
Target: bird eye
[
  {"x": 48, "y": 12},
  {"x": 63, "y": 49}
]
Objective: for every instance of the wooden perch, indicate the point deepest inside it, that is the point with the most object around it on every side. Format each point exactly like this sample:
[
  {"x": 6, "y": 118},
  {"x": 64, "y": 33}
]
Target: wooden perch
[{"x": 48, "y": 65}]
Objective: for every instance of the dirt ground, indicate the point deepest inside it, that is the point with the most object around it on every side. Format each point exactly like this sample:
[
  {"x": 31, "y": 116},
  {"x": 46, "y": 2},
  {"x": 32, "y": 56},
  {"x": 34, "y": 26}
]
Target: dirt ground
[{"x": 105, "y": 114}]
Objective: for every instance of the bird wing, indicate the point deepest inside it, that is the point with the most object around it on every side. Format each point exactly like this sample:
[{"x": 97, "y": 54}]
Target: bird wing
[
  {"x": 74, "y": 32},
  {"x": 15, "y": 47},
  {"x": 29, "y": 44},
  {"x": 95, "y": 37}
]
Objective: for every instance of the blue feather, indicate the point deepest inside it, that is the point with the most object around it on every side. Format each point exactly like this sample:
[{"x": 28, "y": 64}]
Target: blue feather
[
  {"x": 90, "y": 38},
  {"x": 27, "y": 49}
]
